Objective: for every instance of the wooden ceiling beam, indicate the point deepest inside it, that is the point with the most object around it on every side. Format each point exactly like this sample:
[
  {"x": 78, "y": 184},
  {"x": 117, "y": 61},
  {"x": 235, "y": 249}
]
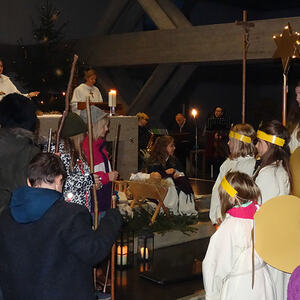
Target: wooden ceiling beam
[
  {"x": 209, "y": 43},
  {"x": 157, "y": 15}
]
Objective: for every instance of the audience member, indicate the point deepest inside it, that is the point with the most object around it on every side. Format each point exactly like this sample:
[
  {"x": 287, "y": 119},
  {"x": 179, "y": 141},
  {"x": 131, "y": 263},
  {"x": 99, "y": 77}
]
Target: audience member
[
  {"x": 216, "y": 132},
  {"x": 102, "y": 165},
  {"x": 144, "y": 136},
  {"x": 48, "y": 247},
  {"x": 184, "y": 139},
  {"x": 17, "y": 143}
]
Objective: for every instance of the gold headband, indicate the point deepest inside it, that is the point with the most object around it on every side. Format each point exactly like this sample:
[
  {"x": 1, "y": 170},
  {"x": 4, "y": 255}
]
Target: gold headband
[
  {"x": 228, "y": 188},
  {"x": 240, "y": 137},
  {"x": 270, "y": 138}
]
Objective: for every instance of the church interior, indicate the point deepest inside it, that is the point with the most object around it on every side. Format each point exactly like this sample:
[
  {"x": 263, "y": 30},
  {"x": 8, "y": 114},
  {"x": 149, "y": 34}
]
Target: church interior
[{"x": 192, "y": 72}]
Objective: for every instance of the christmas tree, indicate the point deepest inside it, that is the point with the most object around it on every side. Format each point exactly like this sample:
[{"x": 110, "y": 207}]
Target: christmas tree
[{"x": 45, "y": 66}]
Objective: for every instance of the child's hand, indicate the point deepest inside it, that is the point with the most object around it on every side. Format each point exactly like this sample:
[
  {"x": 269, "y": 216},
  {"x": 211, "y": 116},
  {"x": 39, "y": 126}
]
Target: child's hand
[
  {"x": 113, "y": 175},
  {"x": 97, "y": 181},
  {"x": 219, "y": 221},
  {"x": 170, "y": 171}
]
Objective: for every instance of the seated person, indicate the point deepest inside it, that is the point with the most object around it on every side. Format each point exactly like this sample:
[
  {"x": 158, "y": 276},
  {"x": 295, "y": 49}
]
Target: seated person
[
  {"x": 48, "y": 247},
  {"x": 180, "y": 197},
  {"x": 144, "y": 136}
]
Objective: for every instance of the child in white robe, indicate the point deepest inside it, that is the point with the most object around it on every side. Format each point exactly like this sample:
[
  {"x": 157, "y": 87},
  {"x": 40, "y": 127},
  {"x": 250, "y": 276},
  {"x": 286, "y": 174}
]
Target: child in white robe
[
  {"x": 227, "y": 266},
  {"x": 273, "y": 177},
  {"x": 242, "y": 158}
]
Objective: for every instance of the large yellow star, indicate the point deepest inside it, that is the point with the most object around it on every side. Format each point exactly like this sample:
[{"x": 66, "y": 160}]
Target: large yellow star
[{"x": 287, "y": 46}]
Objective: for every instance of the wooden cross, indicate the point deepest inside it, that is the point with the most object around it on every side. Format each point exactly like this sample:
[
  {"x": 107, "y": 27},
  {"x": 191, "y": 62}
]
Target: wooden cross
[
  {"x": 246, "y": 25},
  {"x": 91, "y": 93}
]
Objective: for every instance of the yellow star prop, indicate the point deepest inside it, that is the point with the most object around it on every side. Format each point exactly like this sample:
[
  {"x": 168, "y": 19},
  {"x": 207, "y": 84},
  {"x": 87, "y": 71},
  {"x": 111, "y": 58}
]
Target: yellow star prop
[{"x": 287, "y": 46}]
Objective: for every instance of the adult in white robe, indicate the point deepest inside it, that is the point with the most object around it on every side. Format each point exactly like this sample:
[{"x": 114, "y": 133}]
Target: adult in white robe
[{"x": 7, "y": 87}]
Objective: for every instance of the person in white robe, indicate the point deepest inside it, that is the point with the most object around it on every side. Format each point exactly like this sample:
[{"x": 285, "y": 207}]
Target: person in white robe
[
  {"x": 86, "y": 89},
  {"x": 227, "y": 266},
  {"x": 273, "y": 177},
  {"x": 242, "y": 158},
  {"x": 7, "y": 87}
]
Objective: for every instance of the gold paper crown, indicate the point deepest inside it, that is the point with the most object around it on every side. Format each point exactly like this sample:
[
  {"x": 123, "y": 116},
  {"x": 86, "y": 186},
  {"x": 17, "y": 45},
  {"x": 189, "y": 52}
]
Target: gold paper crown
[
  {"x": 228, "y": 188},
  {"x": 240, "y": 137},
  {"x": 270, "y": 138}
]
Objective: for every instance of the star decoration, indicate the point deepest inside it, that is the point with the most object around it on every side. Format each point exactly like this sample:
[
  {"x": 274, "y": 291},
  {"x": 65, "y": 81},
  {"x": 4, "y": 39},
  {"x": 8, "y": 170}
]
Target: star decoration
[{"x": 287, "y": 46}]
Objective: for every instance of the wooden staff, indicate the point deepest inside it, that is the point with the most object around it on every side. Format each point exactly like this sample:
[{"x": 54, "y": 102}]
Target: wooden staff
[
  {"x": 67, "y": 102},
  {"x": 90, "y": 135},
  {"x": 113, "y": 205},
  {"x": 49, "y": 140}
]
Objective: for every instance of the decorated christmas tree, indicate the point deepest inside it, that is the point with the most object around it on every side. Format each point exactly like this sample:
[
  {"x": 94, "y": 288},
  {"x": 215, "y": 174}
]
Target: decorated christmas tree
[{"x": 45, "y": 66}]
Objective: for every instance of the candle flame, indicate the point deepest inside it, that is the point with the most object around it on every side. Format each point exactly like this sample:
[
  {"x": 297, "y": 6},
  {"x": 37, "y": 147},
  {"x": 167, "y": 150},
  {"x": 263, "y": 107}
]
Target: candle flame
[
  {"x": 194, "y": 112},
  {"x": 286, "y": 27},
  {"x": 114, "y": 92}
]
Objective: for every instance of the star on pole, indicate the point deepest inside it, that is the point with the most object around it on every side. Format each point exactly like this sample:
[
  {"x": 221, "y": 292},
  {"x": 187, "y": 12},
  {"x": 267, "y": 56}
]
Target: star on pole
[{"x": 287, "y": 46}]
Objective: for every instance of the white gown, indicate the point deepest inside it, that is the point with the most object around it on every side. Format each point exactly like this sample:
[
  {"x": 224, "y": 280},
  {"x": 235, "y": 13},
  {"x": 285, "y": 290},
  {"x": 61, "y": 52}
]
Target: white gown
[
  {"x": 82, "y": 92},
  {"x": 241, "y": 164},
  {"x": 274, "y": 181},
  {"x": 227, "y": 266},
  {"x": 7, "y": 87},
  {"x": 294, "y": 142}
]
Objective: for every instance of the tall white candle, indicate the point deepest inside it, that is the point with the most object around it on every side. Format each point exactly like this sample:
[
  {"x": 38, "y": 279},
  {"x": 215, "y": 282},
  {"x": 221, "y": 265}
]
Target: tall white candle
[{"x": 112, "y": 98}]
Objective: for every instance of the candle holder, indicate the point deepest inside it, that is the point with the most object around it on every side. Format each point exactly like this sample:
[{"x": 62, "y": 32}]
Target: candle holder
[
  {"x": 145, "y": 246},
  {"x": 125, "y": 250}
]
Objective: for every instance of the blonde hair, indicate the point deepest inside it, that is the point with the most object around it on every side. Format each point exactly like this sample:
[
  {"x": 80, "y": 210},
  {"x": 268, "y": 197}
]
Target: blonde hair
[
  {"x": 240, "y": 148},
  {"x": 98, "y": 126},
  {"x": 89, "y": 73},
  {"x": 73, "y": 145},
  {"x": 246, "y": 188},
  {"x": 142, "y": 115}
]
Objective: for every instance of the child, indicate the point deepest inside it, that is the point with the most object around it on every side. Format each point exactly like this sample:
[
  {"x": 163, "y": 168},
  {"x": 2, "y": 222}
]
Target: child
[
  {"x": 273, "y": 177},
  {"x": 79, "y": 179},
  {"x": 241, "y": 158},
  {"x": 227, "y": 266},
  {"x": 102, "y": 165},
  {"x": 163, "y": 161}
]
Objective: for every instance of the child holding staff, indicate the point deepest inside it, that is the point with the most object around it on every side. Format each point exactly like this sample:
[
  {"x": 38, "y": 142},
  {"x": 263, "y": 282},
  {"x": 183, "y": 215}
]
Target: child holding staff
[
  {"x": 241, "y": 158},
  {"x": 227, "y": 266}
]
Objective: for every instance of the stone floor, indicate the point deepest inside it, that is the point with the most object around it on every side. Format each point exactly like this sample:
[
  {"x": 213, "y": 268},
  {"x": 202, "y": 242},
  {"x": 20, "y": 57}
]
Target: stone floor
[{"x": 173, "y": 263}]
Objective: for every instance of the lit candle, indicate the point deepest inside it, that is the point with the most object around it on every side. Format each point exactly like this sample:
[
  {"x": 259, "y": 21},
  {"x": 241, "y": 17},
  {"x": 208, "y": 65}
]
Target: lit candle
[
  {"x": 144, "y": 253},
  {"x": 112, "y": 98},
  {"x": 122, "y": 255}
]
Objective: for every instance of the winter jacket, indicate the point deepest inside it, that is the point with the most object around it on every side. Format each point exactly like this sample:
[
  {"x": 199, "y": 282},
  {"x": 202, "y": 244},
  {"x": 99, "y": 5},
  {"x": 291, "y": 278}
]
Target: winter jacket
[
  {"x": 101, "y": 167},
  {"x": 48, "y": 248},
  {"x": 17, "y": 148}
]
